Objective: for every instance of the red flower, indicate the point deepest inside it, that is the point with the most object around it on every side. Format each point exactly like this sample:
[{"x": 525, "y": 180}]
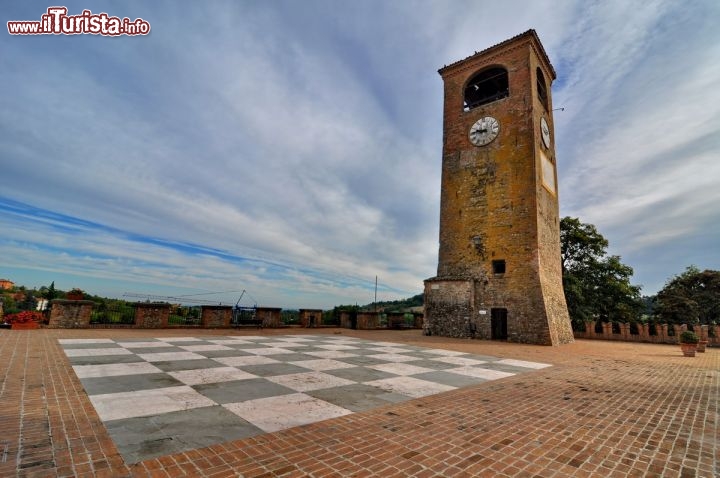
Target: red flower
[{"x": 24, "y": 317}]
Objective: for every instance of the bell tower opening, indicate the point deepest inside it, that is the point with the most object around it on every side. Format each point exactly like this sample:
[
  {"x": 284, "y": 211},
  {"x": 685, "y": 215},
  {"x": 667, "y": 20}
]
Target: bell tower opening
[{"x": 485, "y": 87}]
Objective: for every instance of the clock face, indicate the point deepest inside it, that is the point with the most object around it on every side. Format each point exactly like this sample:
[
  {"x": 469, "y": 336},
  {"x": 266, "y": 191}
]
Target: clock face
[
  {"x": 545, "y": 132},
  {"x": 484, "y": 131}
]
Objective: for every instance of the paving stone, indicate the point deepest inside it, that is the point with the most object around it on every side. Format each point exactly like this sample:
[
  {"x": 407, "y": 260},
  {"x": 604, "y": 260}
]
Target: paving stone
[{"x": 607, "y": 408}]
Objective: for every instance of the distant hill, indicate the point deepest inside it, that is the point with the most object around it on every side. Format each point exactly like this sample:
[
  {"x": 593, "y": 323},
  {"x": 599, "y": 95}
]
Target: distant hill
[{"x": 397, "y": 305}]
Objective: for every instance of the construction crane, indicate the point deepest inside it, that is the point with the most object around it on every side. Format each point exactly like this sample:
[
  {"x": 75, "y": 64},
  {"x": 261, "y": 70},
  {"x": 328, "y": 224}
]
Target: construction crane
[{"x": 237, "y": 304}]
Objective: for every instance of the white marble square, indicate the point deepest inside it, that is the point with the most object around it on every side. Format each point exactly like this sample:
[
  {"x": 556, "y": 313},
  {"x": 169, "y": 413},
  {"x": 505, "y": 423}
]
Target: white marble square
[
  {"x": 523, "y": 363},
  {"x": 444, "y": 353},
  {"x": 211, "y": 375},
  {"x": 170, "y": 356},
  {"x": 293, "y": 346},
  {"x": 400, "y": 368},
  {"x": 178, "y": 339},
  {"x": 204, "y": 347},
  {"x": 307, "y": 381},
  {"x": 336, "y": 347},
  {"x": 479, "y": 372},
  {"x": 460, "y": 361},
  {"x": 268, "y": 351},
  {"x": 322, "y": 364},
  {"x": 245, "y": 360},
  {"x": 144, "y": 345},
  {"x": 390, "y": 350},
  {"x": 96, "y": 352},
  {"x": 331, "y": 354},
  {"x": 285, "y": 411},
  {"x": 382, "y": 344},
  {"x": 295, "y": 339},
  {"x": 142, "y": 403},
  {"x": 114, "y": 369},
  {"x": 229, "y": 341},
  {"x": 85, "y": 341},
  {"x": 393, "y": 357},
  {"x": 410, "y": 386}
]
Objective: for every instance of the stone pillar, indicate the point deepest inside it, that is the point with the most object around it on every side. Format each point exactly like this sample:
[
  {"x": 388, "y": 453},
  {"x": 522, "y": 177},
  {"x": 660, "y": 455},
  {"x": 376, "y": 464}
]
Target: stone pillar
[
  {"x": 70, "y": 314},
  {"x": 396, "y": 320},
  {"x": 662, "y": 330},
  {"x": 590, "y": 329},
  {"x": 269, "y": 315},
  {"x": 418, "y": 320},
  {"x": 625, "y": 331},
  {"x": 345, "y": 320},
  {"x": 715, "y": 340},
  {"x": 703, "y": 334},
  {"x": 151, "y": 315},
  {"x": 367, "y": 320},
  {"x": 644, "y": 330},
  {"x": 213, "y": 316},
  {"x": 607, "y": 330},
  {"x": 310, "y": 317}
]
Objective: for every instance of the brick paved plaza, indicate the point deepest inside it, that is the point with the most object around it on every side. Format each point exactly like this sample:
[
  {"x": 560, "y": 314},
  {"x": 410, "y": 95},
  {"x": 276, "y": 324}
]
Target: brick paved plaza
[{"x": 601, "y": 409}]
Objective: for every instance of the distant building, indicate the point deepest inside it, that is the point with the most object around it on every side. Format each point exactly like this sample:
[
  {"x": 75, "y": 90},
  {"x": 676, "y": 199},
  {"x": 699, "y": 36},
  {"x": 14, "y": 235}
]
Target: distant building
[{"x": 6, "y": 284}]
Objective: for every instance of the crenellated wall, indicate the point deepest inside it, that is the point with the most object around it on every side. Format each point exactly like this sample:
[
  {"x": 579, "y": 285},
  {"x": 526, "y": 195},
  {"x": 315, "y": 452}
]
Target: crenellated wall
[{"x": 709, "y": 333}]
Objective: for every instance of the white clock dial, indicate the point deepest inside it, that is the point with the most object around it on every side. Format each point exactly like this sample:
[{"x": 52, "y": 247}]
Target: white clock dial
[
  {"x": 484, "y": 131},
  {"x": 545, "y": 132}
]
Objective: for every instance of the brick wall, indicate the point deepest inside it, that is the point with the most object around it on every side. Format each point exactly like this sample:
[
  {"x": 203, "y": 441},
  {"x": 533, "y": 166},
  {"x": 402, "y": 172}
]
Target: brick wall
[
  {"x": 151, "y": 315},
  {"x": 305, "y": 316},
  {"x": 215, "y": 316},
  {"x": 269, "y": 315},
  {"x": 70, "y": 314}
]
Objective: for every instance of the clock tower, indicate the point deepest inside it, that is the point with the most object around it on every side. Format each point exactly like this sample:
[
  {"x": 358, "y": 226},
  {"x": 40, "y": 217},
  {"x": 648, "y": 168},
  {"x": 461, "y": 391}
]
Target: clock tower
[{"x": 499, "y": 269}]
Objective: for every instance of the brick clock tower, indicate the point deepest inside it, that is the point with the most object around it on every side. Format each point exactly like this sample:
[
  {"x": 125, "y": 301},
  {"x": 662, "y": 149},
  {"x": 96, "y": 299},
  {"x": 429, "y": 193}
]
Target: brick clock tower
[{"x": 499, "y": 270}]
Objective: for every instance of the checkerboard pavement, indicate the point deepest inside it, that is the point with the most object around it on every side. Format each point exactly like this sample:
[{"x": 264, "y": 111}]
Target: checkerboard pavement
[
  {"x": 605, "y": 409},
  {"x": 164, "y": 395}
]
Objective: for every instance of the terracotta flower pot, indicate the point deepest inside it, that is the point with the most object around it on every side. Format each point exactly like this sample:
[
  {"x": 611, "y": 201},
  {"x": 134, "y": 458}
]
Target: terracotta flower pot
[
  {"x": 689, "y": 350},
  {"x": 701, "y": 345},
  {"x": 25, "y": 326}
]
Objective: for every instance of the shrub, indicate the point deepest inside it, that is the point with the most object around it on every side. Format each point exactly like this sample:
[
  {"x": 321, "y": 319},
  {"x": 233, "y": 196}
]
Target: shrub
[{"x": 689, "y": 337}]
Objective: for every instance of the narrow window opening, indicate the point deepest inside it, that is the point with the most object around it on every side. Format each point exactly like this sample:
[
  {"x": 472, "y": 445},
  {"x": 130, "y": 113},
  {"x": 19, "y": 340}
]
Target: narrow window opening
[
  {"x": 498, "y": 267},
  {"x": 485, "y": 87},
  {"x": 542, "y": 88}
]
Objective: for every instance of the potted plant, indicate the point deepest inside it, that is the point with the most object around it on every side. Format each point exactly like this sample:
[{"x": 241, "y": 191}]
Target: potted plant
[
  {"x": 689, "y": 343},
  {"x": 75, "y": 294}
]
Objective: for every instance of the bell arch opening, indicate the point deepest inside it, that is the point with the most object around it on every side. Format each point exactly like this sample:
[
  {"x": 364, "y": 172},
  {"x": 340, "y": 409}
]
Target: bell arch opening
[{"x": 486, "y": 86}]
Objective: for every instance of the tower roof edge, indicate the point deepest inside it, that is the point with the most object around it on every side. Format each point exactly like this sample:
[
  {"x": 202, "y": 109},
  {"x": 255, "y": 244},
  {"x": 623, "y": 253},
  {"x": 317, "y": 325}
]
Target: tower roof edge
[{"x": 527, "y": 35}]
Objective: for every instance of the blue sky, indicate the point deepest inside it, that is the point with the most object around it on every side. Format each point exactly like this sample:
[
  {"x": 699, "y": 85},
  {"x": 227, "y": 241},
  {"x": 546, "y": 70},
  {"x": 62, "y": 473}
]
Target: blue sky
[{"x": 293, "y": 149}]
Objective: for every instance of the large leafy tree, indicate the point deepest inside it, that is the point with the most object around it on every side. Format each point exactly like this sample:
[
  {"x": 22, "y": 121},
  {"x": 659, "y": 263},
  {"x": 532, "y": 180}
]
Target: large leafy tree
[
  {"x": 690, "y": 298},
  {"x": 597, "y": 286}
]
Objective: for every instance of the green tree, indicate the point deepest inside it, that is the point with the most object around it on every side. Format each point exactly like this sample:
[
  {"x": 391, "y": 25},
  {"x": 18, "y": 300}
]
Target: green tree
[
  {"x": 597, "y": 286},
  {"x": 29, "y": 302},
  {"x": 50, "y": 293},
  {"x": 690, "y": 298}
]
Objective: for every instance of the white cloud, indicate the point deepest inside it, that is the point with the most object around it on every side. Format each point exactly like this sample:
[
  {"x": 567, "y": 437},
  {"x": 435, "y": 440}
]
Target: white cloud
[{"x": 311, "y": 139}]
